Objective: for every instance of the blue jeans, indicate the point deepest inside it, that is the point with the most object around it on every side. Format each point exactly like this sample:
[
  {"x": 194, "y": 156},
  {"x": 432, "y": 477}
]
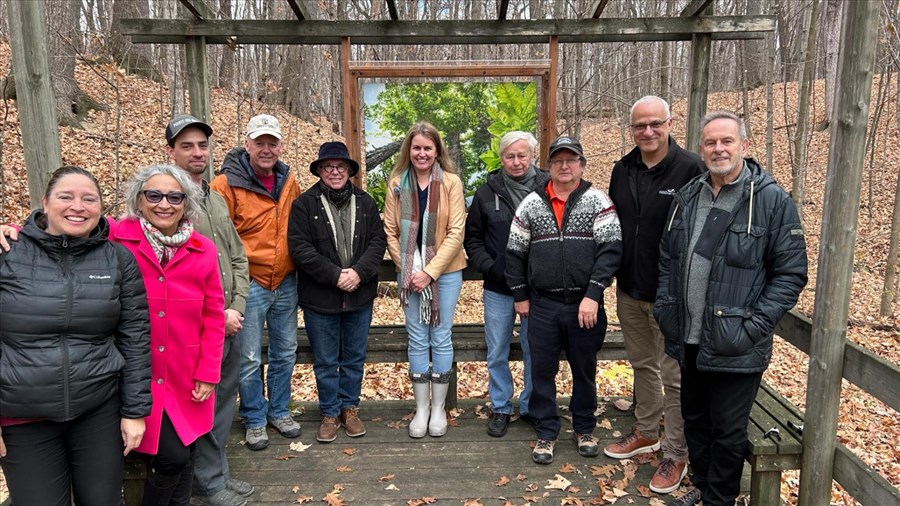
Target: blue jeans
[
  {"x": 499, "y": 319},
  {"x": 338, "y": 343},
  {"x": 278, "y": 311},
  {"x": 423, "y": 337}
]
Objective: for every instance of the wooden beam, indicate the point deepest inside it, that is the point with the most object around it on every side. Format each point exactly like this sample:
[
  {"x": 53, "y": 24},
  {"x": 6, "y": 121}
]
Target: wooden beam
[
  {"x": 34, "y": 95},
  {"x": 219, "y": 31},
  {"x": 199, "y": 9},
  {"x": 849, "y": 124},
  {"x": 448, "y": 70},
  {"x": 392, "y": 10},
  {"x": 350, "y": 94},
  {"x": 299, "y": 9},
  {"x": 701, "y": 48},
  {"x": 695, "y": 8},
  {"x": 861, "y": 481},
  {"x": 502, "y": 8},
  {"x": 597, "y": 9},
  {"x": 548, "y": 102},
  {"x": 197, "y": 71}
]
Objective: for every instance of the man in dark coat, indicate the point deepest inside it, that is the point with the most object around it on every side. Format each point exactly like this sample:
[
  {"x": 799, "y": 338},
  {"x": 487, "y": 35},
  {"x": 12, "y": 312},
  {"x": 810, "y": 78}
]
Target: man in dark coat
[
  {"x": 732, "y": 262},
  {"x": 337, "y": 241}
]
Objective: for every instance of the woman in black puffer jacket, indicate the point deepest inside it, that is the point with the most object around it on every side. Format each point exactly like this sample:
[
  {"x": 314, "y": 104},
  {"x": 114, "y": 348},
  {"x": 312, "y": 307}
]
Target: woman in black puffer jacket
[{"x": 74, "y": 351}]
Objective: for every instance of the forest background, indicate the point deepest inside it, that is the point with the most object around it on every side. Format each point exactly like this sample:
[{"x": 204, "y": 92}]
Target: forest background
[{"x": 114, "y": 100}]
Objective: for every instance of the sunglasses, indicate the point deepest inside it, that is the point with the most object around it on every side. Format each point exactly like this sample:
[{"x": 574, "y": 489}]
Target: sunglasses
[{"x": 155, "y": 197}]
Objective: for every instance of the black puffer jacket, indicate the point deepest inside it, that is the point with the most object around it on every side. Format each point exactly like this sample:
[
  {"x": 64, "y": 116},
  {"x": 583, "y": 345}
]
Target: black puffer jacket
[
  {"x": 487, "y": 229},
  {"x": 75, "y": 329},
  {"x": 757, "y": 272},
  {"x": 312, "y": 246}
]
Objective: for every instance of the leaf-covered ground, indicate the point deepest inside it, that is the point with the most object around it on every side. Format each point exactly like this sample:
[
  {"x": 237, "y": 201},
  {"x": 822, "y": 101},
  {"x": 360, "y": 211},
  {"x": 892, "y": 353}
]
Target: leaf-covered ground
[{"x": 866, "y": 425}]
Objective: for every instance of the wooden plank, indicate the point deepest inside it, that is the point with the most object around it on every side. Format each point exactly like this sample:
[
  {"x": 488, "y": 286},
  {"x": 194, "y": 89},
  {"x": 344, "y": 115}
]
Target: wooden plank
[
  {"x": 772, "y": 413},
  {"x": 448, "y": 70},
  {"x": 765, "y": 488},
  {"x": 695, "y": 8},
  {"x": 197, "y": 8},
  {"x": 861, "y": 481},
  {"x": 597, "y": 9},
  {"x": 299, "y": 9},
  {"x": 547, "y": 113},
  {"x": 502, "y": 7},
  {"x": 392, "y": 10},
  {"x": 198, "y": 89},
  {"x": 529, "y": 31},
  {"x": 835, "y": 269},
  {"x": 701, "y": 49}
]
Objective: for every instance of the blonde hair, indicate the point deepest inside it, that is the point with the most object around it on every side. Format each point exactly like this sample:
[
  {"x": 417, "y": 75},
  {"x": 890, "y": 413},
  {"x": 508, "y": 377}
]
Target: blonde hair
[{"x": 427, "y": 130}]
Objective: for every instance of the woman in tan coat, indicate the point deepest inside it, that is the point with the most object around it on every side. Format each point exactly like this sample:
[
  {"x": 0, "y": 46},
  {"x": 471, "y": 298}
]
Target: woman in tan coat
[{"x": 424, "y": 217}]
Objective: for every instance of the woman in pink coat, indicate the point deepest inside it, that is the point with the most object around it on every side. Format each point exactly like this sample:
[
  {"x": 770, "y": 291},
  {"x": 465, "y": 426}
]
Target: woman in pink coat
[{"x": 187, "y": 323}]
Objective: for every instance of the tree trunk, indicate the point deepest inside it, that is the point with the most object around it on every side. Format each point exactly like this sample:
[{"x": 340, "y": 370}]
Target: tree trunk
[
  {"x": 890, "y": 268},
  {"x": 831, "y": 32},
  {"x": 134, "y": 58},
  {"x": 801, "y": 135}
]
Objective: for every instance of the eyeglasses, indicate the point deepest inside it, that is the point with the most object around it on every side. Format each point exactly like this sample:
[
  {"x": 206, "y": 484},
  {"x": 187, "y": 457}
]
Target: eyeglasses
[
  {"x": 155, "y": 197},
  {"x": 566, "y": 161},
  {"x": 655, "y": 125},
  {"x": 334, "y": 169}
]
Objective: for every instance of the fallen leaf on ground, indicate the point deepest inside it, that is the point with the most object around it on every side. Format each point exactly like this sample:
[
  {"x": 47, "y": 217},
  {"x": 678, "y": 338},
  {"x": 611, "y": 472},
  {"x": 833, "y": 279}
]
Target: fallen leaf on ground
[
  {"x": 520, "y": 477},
  {"x": 299, "y": 446},
  {"x": 531, "y": 487},
  {"x": 343, "y": 469},
  {"x": 473, "y": 502},
  {"x": 285, "y": 457},
  {"x": 303, "y": 499},
  {"x": 504, "y": 480},
  {"x": 387, "y": 477},
  {"x": 622, "y": 404},
  {"x": 604, "y": 424},
  {"x": 604, "y": 470},
  {"x": 571, "y": 500},
  {"x": 332, "y": 499},
  {"x": 349, "y": 451},
  {"x": 643, "y": 490},
  {"x": 295, "y": 488},
  {"x": 567, "y": 468},
  {"x": 391, "y": 487},
  {"x": 559, "y": 483}
]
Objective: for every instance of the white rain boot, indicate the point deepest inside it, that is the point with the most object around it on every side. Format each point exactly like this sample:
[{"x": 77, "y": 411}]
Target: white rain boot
[
  {"x": 440, "y": 384},
  {"x": 418, "y": 426}
]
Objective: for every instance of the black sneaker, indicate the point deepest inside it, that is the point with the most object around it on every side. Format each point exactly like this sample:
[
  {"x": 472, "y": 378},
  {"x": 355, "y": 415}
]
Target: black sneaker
[
  {"x": 692, "y": 497},
  {"x": 543, "y": 452},
  {"x": 525, "y": 417},
  {"x": 498, "y": 424}
]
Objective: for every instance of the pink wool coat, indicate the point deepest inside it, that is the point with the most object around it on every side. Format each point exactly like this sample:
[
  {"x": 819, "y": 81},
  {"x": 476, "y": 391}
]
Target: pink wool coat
[{"x": 187, "y": 330}]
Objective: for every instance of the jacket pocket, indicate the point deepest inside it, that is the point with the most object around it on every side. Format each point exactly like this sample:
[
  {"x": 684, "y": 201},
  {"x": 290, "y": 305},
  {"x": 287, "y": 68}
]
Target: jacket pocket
[
  {"x": 668, "y": 316},
  {"x": 743, "y": 249},
  {"x": 728, "y": 335}
]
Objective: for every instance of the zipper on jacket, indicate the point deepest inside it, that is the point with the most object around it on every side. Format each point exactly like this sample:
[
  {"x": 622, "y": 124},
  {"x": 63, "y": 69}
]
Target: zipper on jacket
[{"x": 64, "y": 344}]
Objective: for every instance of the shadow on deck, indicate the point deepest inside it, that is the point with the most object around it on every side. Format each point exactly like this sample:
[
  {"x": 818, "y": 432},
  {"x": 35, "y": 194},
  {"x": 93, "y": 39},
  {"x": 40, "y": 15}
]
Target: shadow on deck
[{"x": 387, "y": 467}]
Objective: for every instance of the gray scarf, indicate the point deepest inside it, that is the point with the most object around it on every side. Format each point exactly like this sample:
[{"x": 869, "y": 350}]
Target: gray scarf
[{"x": 519, "y": 187}]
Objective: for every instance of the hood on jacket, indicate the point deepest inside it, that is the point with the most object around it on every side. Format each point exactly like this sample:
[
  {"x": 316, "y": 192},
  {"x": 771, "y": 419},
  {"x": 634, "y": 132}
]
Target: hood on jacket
[
  {"x": 35, "y": 228},
  {"x": 237, "y": 169}
]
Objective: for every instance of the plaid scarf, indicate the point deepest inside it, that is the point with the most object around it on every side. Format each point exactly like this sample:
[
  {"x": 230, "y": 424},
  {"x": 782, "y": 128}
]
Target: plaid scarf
[
  {"x": 163, "y": 245},
  {"x": 411, "y": 218}
]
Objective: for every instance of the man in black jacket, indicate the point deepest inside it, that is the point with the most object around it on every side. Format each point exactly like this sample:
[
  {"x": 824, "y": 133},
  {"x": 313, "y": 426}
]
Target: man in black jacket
[
  {"x": 487, "y": 232},
  {"x": 337, "y": 241},
  {"x": 642, "y": 185},
  {"x": 565, "y": 244},
  {"x": 732, "y": 262}
]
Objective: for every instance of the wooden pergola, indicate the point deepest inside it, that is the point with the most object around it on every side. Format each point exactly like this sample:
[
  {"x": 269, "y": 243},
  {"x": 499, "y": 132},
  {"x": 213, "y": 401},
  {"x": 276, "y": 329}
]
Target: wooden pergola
[{"x": 689, "y": 25}]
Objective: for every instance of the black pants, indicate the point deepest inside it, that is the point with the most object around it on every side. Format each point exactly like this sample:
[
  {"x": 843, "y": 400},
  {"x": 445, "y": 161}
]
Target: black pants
[
  {"x": 716, "y": 409},
  {"x": 45, "y": 458},
  {"x": 170, "y": 472},
  {"x": 552, "y": 328}
]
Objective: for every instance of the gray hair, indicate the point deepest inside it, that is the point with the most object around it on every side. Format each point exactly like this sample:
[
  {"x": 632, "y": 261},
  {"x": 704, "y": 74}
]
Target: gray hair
[
  {"x": 649, "y": 99},
  {"x": 510, "y": 138},
  {"x": 712, "y": 116},
  {"x": 192, "y": 192}
]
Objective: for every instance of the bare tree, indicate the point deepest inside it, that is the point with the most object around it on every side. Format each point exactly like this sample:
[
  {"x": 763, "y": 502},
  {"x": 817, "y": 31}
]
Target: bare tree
[{"x": 801, "y": 135}]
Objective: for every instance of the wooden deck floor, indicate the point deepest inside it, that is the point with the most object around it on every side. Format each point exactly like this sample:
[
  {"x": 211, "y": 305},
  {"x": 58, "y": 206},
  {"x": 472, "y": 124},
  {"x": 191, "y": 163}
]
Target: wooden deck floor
[{"x": 387, "y": 467}]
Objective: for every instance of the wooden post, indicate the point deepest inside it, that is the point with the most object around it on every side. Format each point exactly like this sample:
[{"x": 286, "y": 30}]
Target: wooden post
[
  {"x": 701, "y": 47},
  {"x": 34, "y": 94},
  {"x": 842, "y": 191},
  {"x": 197, "y": 72},
  {"x": 351, "y": 108},
  {"x": 548, "y": 101}
]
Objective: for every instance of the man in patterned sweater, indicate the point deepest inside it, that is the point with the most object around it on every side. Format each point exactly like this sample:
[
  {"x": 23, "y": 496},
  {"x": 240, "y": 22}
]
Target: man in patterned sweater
[{"x": 564, "y": 247}]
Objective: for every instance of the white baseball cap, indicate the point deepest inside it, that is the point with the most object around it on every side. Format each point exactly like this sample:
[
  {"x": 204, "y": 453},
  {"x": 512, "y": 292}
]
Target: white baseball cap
[{"x": 263, "y": 124}]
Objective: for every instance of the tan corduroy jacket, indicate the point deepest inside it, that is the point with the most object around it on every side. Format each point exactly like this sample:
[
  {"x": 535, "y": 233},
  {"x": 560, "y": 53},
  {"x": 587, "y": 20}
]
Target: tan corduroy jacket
[{"x": 449, "y": 256}]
